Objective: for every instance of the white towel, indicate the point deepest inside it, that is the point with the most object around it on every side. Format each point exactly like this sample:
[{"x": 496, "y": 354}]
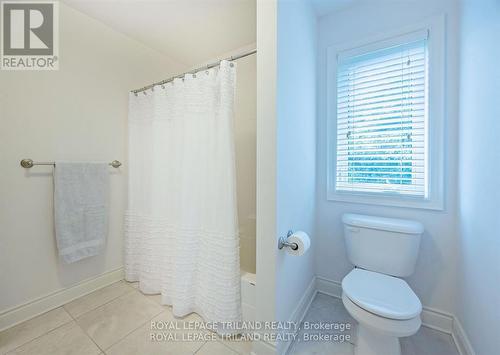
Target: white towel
[{"x": 80, "y": 209}]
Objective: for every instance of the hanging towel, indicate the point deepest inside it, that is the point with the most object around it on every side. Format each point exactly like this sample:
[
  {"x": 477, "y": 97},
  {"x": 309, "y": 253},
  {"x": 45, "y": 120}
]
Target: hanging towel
[{"x": 80, "y": 209}]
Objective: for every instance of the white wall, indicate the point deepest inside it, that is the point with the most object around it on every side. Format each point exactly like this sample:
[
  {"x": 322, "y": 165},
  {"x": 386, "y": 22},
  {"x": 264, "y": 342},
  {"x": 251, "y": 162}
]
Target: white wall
[
  {"x": 76, "y": 113},
  {"x": 435, "y": 275},
  {"x": 266, "y": 166},
  {"x": 245, "y": 134},
  {"x": 478, "y": 308},
  {"x": 296, "y": 144}
]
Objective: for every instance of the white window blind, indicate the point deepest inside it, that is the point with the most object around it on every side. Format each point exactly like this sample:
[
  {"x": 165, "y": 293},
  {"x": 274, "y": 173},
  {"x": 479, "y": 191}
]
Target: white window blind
[{"x": 382, "y": 121}]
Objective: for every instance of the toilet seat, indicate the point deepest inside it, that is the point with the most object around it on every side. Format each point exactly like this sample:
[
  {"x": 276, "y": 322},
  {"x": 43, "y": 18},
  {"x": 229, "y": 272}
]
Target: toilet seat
[
  {"x": 383, "y": 295},
  {"x": 391, "y": 328}
]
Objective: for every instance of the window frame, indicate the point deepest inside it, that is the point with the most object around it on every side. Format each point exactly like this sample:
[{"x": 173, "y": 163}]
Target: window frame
[{"x": 435, "y": 28}]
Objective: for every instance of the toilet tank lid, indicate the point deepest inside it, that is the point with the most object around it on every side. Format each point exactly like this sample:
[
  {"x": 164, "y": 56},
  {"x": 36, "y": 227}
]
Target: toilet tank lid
[{"x": 382, "y": 223}]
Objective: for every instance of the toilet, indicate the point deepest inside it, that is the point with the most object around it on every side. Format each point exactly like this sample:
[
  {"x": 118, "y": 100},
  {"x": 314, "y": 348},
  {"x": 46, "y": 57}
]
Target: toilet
[{"x": 382, "y": 250}]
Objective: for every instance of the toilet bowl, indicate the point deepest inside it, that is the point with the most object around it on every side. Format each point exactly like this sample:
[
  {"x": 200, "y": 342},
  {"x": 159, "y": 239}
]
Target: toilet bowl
[{"x": 386, "y": 308}]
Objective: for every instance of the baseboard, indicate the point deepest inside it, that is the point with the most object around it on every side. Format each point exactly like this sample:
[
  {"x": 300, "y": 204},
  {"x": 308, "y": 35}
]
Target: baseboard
[
  {"x": 300, "y": 311},
  {"x": 431, "y": 318},
  {"x": 461, "y": 339},
  {"x": 18, "y": 314},
  {"x": 438, "y": 320},
  {"x": 329, "y": 287}
]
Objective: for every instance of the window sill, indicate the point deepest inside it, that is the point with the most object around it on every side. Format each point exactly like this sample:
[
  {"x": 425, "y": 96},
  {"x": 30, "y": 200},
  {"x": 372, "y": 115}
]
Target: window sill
[{"x": 390, "y": 200}]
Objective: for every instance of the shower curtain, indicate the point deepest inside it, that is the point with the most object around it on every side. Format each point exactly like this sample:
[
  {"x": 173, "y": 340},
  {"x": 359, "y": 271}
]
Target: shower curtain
[{"x": 181, "y": 225}]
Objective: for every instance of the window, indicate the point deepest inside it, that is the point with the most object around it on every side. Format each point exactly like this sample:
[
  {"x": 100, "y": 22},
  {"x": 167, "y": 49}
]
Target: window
[
  {"x": 386, "y": 134},
  {"x": 382, "y": 120}
]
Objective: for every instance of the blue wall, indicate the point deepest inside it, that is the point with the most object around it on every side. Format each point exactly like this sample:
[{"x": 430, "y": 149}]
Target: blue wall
[
  {"x": 296, "y": 148},
  {"x": 434, "y": 279},
  {"x": 478, "y": 307}
]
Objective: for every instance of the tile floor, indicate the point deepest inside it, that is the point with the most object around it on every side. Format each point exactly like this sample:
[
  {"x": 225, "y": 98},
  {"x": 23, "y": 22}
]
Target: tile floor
[
  {"x": 115, "y": 320},
  {"x": 329, "y": 309}
]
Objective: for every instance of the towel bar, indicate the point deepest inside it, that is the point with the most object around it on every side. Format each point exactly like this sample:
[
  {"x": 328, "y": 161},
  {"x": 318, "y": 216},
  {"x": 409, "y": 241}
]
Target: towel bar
[{"x": 28, "y": 163}]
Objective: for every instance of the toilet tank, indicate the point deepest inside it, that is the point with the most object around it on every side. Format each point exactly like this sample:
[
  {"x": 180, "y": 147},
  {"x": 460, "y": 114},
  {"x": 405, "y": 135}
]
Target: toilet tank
[{"x": 386, "y": 245}]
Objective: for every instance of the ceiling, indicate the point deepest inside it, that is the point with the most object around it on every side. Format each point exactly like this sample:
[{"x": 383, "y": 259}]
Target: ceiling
[{"x": 188, "y": 31}]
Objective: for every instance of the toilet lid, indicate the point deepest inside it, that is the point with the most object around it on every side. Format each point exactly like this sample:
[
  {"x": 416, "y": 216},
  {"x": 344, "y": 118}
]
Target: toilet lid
[{"x": 383, "y": 295}]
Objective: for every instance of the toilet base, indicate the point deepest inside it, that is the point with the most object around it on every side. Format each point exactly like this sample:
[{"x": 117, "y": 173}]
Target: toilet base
[{"x": 370, "y": 342}]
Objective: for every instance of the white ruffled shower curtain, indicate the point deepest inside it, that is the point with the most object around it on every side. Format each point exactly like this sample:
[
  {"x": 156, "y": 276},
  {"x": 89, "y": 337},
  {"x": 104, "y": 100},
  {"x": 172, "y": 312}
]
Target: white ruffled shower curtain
[{"x": 181, "y": 227}]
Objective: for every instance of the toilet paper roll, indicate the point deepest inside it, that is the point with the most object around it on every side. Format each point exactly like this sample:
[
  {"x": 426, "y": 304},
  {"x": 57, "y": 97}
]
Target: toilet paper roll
[{"x": 302, "y": 240}]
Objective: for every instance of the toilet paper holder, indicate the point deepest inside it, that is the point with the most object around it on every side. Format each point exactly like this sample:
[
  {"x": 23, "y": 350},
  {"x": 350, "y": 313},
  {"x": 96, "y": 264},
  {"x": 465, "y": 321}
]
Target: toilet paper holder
[{"x": 283, "y": 242}]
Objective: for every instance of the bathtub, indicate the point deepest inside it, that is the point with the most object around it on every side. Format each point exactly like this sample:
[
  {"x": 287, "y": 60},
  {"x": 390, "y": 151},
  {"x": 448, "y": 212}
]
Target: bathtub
[{"x": 248, "y": 295}]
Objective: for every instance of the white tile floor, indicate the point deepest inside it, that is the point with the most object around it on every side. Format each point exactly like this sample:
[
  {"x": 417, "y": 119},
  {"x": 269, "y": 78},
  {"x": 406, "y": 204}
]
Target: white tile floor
[
  {"x": 115, "y": 320},
  {"x": 329, "y": 309}
]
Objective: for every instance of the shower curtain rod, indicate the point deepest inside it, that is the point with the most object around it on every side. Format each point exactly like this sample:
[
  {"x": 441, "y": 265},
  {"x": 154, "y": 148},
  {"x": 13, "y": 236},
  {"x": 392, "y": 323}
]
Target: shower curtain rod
[{"x": 208, "y": 66}]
